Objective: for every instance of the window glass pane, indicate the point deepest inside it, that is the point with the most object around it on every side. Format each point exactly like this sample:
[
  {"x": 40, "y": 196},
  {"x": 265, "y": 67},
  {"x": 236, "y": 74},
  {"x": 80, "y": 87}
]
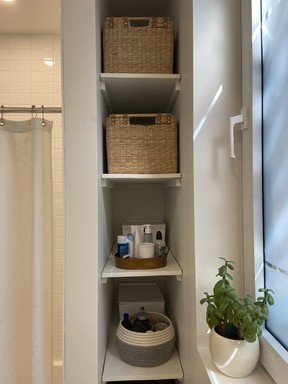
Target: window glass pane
[{"x": 275, "y": 161}]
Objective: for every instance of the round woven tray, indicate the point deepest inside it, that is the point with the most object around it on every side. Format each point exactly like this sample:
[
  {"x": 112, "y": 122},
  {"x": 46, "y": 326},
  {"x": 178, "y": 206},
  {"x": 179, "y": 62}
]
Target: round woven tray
[{"x": 135, "y": 263}]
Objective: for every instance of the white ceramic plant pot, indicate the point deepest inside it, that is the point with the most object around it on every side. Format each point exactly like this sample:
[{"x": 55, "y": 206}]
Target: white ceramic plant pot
[{"x": 234, "y": 358}]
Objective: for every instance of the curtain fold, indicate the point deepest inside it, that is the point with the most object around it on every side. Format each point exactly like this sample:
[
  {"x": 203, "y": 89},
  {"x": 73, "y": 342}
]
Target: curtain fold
[{"x": 26, "y": 246}]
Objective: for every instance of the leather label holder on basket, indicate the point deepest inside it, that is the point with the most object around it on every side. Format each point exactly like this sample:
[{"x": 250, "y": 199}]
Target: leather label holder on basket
[{"x": 143, "y": 144}]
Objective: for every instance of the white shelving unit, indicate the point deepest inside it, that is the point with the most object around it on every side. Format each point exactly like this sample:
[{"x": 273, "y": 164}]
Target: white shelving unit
[
  {"x": 139, "y": 93},
  {"x": 171, "y": 269},
  {"x": 117, "y": 370},
  {"x": 167, "y": 180}
]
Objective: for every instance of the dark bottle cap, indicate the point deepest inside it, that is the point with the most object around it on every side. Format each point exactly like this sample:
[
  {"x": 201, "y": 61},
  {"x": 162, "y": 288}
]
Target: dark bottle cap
[{"x": 158, "y": 235}]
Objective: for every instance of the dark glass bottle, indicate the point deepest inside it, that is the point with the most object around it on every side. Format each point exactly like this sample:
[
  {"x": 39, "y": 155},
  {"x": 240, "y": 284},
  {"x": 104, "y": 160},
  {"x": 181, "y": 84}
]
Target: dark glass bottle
[{"x": 126, "y": 321}]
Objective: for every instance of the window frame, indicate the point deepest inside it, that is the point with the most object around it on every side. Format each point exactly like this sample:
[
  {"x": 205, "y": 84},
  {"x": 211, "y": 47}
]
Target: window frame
[{"x": 273, "y": 356}]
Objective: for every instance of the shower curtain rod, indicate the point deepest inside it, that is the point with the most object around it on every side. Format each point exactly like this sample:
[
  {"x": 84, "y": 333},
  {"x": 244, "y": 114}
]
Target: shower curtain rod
[{"x": 30, "y": 110}]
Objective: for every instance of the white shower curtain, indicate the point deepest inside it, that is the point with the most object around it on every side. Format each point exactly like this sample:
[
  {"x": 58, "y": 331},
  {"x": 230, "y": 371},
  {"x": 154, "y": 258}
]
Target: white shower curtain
[{"x": 25, "y": 252}]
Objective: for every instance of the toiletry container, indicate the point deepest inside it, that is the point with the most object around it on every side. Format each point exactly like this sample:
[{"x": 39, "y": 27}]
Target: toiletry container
[
  {"x": 122, "y": 246},
  {"x": 148, "y": 238},
  {"x": 131, "y": 244},
  {"x": 159, "y": 244},
  {"x": 146, "y": 250}
]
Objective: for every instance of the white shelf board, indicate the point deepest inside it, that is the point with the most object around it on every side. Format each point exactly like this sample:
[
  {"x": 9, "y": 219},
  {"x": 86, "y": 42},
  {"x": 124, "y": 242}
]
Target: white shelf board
[
  {"x": 171, "y": 269},
  {"x": 116, "y": 370},
  {"x": 139, "y": 93},
  {"x": 167, "y": 180},
  {"x": 258, "y": 376}
]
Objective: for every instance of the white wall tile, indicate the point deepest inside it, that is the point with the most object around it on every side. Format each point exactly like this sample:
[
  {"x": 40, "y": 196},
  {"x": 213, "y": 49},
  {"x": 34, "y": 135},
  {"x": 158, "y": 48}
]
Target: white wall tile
[
  {"x": 20, "y": 53},
  {"x": 39, "y": 42},
  {"x": 43, "y": 88},
  {"x": 43, "y": 99},
  {"x": 3, "y": 76},
  {"x": 4, "y": 53},
  {"x": 39, "y": 65},
  {"x": 24, "y": 87},
  {"x": 22, "y": 42},
  {"x": 42, "y": 76},
  {"x": 57, "y": 99},
  {"x": 20, "y": 99},
  {"x": 41, "y": 54},
  {"x": 19, "y": 64},
  {"x": 5, "y": 99},
  {"x": 4, "y": 88},
  {"x": 19, "y": 76},
  {"x": 4, "y": 64},
  {"x": 4, "y": 42}
]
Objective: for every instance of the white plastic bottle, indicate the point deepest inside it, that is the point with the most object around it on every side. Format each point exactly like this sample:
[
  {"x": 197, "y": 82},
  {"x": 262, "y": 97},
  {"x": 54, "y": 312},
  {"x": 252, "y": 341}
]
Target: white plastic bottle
[{"x": 131, "y": 244}]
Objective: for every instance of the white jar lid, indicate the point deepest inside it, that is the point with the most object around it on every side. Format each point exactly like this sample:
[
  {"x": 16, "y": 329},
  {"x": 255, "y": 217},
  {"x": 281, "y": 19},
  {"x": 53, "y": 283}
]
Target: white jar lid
[{"x": 121, "y": 239}]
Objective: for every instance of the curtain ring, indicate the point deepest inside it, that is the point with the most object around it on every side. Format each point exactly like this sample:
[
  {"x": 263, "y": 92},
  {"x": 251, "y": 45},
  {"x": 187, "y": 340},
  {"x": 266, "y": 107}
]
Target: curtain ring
[
  {"x": 2, "y": 116},
  {"x": 32, "y": 111},
  {"x": 43, "y": 119}
]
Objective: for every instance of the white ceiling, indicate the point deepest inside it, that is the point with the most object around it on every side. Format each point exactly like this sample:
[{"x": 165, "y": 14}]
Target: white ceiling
[{"x": 30, "y": 17}]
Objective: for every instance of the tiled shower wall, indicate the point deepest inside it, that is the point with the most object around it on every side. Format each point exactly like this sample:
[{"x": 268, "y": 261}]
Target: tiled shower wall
[{"x": 30, "y": 74}]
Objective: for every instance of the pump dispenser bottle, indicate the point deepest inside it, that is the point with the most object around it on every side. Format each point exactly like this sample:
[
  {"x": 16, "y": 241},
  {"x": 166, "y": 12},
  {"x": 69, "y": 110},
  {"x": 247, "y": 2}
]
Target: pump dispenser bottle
[{"x": 148, "y": 234}]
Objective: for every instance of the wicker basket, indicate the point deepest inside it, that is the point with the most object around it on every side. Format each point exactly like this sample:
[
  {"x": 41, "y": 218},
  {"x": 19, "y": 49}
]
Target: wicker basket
[
  {"x": 142, "y": 143},
  {"x": 146, "y": 349},
  {"x": 138, "y": 45},
  {"x": 135, "y": 263}
]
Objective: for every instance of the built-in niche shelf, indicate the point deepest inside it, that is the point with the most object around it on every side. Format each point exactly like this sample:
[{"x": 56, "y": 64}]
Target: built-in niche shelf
[
  {"x": 117, "y": 370},
  {"x": 171, "y": 269},
  {"x": 110, "y": 180},
  {"x": 139, "y": 93}
]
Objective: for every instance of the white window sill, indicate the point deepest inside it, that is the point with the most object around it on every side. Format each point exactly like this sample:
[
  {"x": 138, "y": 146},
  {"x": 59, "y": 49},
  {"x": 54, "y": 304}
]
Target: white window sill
[{"x": 258, "y": 376}]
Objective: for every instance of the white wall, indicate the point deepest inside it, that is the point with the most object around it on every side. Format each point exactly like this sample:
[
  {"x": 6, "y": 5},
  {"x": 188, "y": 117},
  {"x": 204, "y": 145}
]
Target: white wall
[
  {"x": 81, "y": 192},
  {"x": 25, "y": 80},
  {"x": 217, "y": 178}
]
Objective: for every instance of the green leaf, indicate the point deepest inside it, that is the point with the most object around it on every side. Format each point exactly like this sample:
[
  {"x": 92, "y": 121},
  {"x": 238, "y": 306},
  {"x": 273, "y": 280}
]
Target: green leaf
[
  {"x": 230, "y": 314},
  {"x": 229, "y": 276},
  {"x": 252, "y": 329},
  {"x": 270, "y": 299},
  {"x": 210, "y": 309},
  {"x": 218, "y": 313},
  {"x": 218, "y": 288},
  {"x": 230, "y": 265},
  {"x": 222, "y": 270},
  {"x": 241, "y": 312},
  {"x": 225, "y": 302}
]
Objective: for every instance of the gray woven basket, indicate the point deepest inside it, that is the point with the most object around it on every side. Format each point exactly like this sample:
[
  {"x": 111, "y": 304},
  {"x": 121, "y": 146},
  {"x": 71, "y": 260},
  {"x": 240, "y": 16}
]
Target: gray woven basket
[
  {"x": 138, "y": 45},
  {"x": 135, "y": 146},
  {"x": 139, "y": 355}
]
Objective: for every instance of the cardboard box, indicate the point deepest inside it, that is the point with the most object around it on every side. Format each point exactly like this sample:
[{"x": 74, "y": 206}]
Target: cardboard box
[{"x": 135, "y": 297}]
